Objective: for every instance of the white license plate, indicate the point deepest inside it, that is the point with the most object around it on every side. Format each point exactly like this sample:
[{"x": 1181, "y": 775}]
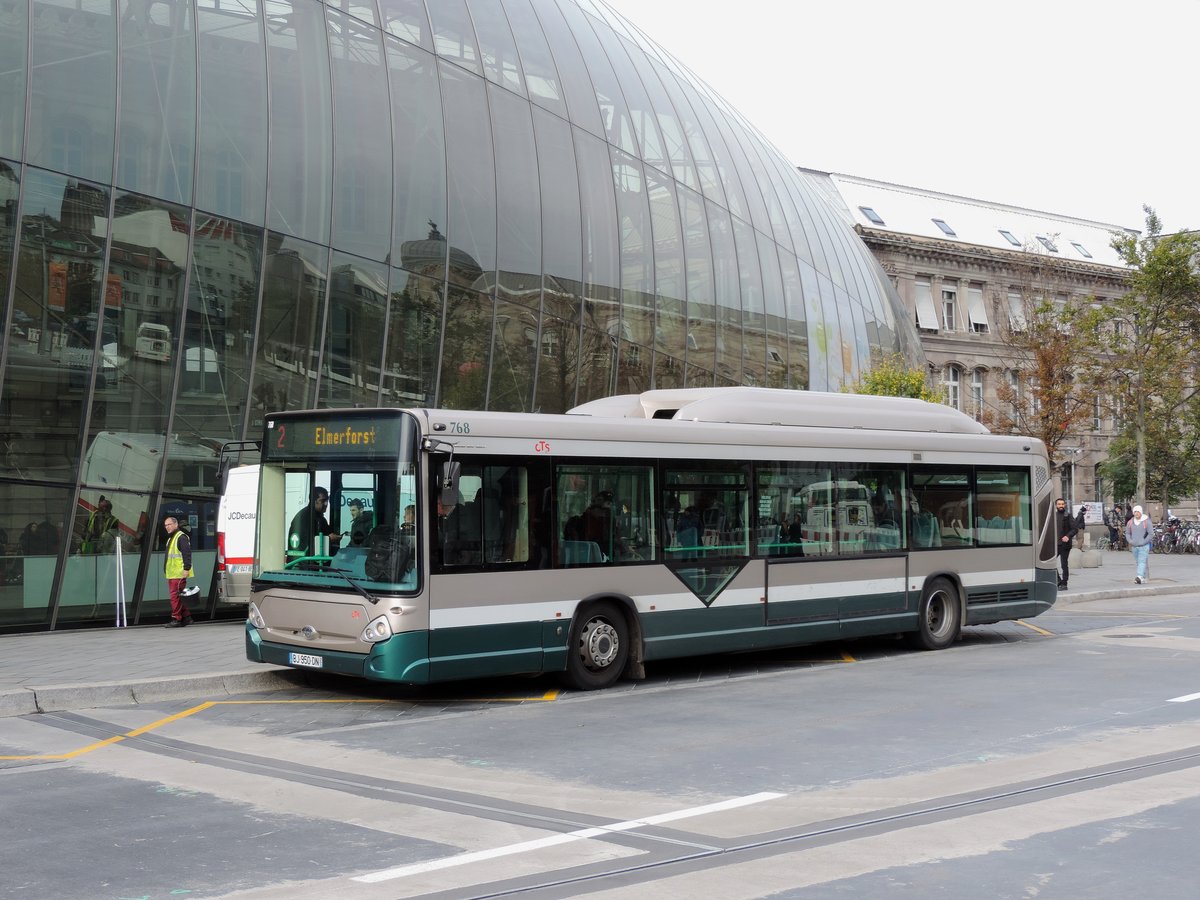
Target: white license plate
[
  {"x": 239, "y": 569},
  {"x": 305, "y": 659}
]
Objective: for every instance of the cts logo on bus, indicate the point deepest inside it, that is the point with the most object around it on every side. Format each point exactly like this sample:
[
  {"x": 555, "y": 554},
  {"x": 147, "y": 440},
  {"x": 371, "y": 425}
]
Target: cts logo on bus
[{"x": 541, "y": 447}]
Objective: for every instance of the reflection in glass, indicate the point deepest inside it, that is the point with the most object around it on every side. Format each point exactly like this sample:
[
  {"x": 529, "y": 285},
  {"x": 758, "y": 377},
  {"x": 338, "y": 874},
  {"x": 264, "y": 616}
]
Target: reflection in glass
[
  {"x": 232, "y": 152},
  {"x": 414, "y": 319},
  {"x": 68, "y": 326},
  {"x": 144, "y": 291},
  {"x": 418, "y": 144},
  {"x": 467, "y": 338},
  {"x": 73, "y": 86},
  {"x": 541, "y": 77},
  {"x": 519, "y": 250},
  {"x": 353, "y": 333},
  {"x": 31, "y": 533},
  {"x": 572, "y": 74},
  {"x": 14, "y": 38},
  {"x": 514, "y": 356},
  {"x": 558, "y": 358},
  {"x": 609, "y": 98},
  {"x": 218, "y": 333},
  {"x": 472, "y": 176},
  {"x": 362, "y": 145},
  {"x": 670, "y": 327},
  {"x": 496, "y": 45},
  {"x": 289, "y": 326},
  {"x": 597, "y": 364},
  {"x": 453, "y": 36},
  {"x": 407, "y": 19},
  {"x": 301, "y": 120},
  {"x": 157, "y": 118}
]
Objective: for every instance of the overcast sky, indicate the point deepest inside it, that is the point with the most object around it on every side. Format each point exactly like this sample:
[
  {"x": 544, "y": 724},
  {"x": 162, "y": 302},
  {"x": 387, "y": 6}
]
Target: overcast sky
[{"x": 1085, "y": 109}]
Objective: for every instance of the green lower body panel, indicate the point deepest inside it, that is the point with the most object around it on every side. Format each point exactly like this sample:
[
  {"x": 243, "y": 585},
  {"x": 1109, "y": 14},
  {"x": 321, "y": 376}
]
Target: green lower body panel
[
  {"x": 738, "y": 628},
  {"x": 403, "y": 657}
]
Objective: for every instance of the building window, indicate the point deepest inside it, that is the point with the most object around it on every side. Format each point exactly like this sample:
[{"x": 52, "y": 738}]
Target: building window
[
  {"x": 949, "y": 300},
  {"x": 946, "y": 229},
  {"x": 977, "y": 394},
  {"x": 872, "y": 216},
  {"x": 952, "y": 378},
  {"x": 927, "y": 318},
  {"x": 1047, "y": 243},
  {"x": 1014, "y": 384},
  {"x": 1010, "y": 237},
  {"x": 1016, "y": 311},
  {"x": 976, "y": 313},
  {"x": 1096, "y": 419},
  {"x": 1082, "y": 249}
]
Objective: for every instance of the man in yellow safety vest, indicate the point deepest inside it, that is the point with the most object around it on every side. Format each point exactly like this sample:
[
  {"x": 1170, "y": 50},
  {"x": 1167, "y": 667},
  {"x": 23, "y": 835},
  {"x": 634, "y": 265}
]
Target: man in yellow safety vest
[{"x": 177, "y": 568}]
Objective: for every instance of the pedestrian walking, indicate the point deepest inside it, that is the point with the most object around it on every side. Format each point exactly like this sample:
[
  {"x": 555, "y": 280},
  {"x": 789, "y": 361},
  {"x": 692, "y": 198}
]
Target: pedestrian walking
[
  {"x": 1139, "y": 534},
  {"x": 1066, "y": 529},
  {"x": 177, "y": 567}
]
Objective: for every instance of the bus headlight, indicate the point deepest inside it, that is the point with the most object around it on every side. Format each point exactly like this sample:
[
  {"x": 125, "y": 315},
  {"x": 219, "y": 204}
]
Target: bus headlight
[
  {"x": 377, "y": 630},
  {"x": 255, "y": 617}
]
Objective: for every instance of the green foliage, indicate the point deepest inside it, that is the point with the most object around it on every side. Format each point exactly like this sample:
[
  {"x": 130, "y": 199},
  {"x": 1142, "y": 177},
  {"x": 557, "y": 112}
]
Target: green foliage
[{"x": 891, "y": 378}]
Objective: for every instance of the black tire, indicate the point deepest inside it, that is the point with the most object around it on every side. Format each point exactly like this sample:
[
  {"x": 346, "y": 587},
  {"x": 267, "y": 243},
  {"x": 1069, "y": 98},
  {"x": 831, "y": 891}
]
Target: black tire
[
  {"x": 598, "y": 648},
  {"x": 939, "y": 617}
]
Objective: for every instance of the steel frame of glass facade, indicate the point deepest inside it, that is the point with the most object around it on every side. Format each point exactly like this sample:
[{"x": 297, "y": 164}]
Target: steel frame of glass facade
[{"x": 213, "y": 209}]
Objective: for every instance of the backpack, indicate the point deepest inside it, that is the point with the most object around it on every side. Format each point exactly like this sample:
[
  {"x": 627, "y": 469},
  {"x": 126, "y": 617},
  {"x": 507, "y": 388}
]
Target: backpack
[{"x": 388, "y": 555}]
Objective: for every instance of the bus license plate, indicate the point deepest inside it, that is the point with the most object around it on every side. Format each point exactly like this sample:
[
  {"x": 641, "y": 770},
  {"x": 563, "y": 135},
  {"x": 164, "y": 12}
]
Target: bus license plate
[{"x": 305, "y": 659}]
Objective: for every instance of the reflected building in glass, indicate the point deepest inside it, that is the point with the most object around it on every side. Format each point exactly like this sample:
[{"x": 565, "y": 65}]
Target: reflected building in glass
[{"x": 214, "y": 209}]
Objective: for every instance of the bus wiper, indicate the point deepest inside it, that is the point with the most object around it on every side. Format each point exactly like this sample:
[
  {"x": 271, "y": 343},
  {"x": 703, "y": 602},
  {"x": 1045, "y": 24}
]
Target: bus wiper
[{"x": 345, "y": 573}]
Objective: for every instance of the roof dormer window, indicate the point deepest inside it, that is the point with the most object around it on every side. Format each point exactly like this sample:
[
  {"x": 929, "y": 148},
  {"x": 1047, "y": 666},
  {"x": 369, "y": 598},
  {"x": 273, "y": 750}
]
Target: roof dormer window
[
  {"x": 946, "y": 229},
  {"x": 872, "y": 216}
]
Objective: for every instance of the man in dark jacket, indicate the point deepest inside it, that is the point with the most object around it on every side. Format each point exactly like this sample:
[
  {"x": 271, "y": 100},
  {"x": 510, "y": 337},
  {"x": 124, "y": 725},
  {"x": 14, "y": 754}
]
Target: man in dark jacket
[{"x": 1065, "y": 529}]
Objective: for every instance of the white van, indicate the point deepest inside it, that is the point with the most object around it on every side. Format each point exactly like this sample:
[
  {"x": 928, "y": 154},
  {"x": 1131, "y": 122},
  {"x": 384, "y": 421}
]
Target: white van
[
  {"x": 235, "y": 534},
  {"x": 153, "y": 342}
]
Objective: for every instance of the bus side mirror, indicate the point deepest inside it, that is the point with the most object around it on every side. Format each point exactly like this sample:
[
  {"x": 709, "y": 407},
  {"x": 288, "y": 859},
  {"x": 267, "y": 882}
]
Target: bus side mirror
[{"x": 449, "y": 495}]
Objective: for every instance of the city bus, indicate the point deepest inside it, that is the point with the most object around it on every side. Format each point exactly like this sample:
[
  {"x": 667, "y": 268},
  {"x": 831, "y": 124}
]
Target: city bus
[{"x": 637, "y": 528}]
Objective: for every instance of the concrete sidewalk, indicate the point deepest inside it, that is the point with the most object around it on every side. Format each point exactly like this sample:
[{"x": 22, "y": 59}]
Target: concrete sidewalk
[{"x": 113, "y": 667}]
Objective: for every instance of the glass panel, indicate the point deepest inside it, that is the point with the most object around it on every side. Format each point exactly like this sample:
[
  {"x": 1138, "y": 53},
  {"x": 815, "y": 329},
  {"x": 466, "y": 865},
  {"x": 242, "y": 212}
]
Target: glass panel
[
  {"x": 641, "y": 113},
  {"x": 362, "y": 144},
  {"x": 670, "y": 288},
  {"x": 353, "y": 333},
  {"x": 301, "y": 120},
  {"x": 414, "y": 323},
  {"x": 496, "y": 45},
  {"x": 453, "y": 36},
  {"x": 701, "y": 338},
  {"x": 753, "y": 318},
  {"x": 560, "y": 198},
  {"x": 558, "y": 357},
  {"x": 668, "y": 372},
  {"x": 941, "y": 507},
  {"x": 157, "y": 118},
  {"x": 144, "y": 293},
  {"x": 870, "y": 509},
  {"x": 514, "y": 356},
  {"x": 58, "y": 301},
  {"x": 735, "y": 135},
  {"x": 797, "y": 326},
  {"x": 573, "y": 75},
  {"x": 758, "y": 152},
  {"x": 420, "y": 156},
  {"x": 289, "y": 326},
  {"x": 14, "y": 37},
  {"x": 364, "y": 10},
  {"x": 601, "y": 261},
  {"x": 711, "y": 121},
  {"x": 1003, "y": 515},
  {"x": 16, "y": 328},
  {"x": 597, "y": 365},
  {"x": 637, "y": 251},
  {"x": 613, "y": 111},
  {"x": 466, "y": 344},
  {"x": 710, "y": 180},
  {"x": 489, "y": 525},
  {"x": 800, "y": 499},
  {"x": 605, "y": 514},
  {"x": 710, "y": 508},
  {"x": 728, "y": 294},
  {"x": 472, "y": 177},
  {"x": 31, "y": 530},
  {"x": 73, "y": 91},
  {"x": 540, "y": 75},
  {"x": 408, "y": 20},
  {"x": 519, "y": 249},
  {"x": 233, "y": 112},
  {"x": 92, "y": 580}
]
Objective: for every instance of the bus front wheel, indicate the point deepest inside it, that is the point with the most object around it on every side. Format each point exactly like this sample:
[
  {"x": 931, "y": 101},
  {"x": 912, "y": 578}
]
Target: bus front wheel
[
  {"x": 598, "y": 648},
  {"x": 939, "y": 617}
]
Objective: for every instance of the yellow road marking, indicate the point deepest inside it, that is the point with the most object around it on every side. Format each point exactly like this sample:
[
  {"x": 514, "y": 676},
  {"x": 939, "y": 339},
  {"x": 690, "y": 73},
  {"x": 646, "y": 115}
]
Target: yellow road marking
[
  {"x": 1035, "y": 628},
  {"x": 547, "y": 697}
]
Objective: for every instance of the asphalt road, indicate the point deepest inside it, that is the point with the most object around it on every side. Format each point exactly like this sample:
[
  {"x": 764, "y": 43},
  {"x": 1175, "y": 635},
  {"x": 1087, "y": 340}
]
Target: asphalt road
[{"x": 1055, "y": 758}]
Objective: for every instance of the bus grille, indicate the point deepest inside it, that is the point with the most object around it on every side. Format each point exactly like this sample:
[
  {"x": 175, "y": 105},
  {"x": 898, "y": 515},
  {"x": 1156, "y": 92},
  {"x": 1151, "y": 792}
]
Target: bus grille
[{"x": 1012, "y": 595}]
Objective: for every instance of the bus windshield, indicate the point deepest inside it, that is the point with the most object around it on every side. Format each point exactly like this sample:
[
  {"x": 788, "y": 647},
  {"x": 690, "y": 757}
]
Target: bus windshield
[{"x": 338, "y": 502}]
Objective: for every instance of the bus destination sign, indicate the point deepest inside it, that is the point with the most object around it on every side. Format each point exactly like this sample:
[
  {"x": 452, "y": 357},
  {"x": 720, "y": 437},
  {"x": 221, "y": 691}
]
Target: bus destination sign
[{"x": 332, "y": 437}]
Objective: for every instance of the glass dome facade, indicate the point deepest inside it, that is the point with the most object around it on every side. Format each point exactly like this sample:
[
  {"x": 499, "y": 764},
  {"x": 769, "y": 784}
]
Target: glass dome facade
[{"x": 214, "y": 209}]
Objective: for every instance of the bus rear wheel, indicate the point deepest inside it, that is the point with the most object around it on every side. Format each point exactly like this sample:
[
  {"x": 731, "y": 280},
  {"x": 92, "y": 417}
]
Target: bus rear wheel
[
  {"x": 598, "y": 648},
  {"x": 939, "y": 617}
]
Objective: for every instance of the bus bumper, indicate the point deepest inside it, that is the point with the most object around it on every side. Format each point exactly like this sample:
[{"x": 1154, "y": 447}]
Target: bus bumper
[{"x": 401, "y": 658}]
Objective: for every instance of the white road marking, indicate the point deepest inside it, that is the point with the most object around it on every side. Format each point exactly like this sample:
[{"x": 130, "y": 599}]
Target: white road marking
[
  {"x": 463, "y": 859},
  {"x": 1185, "y": 698}
]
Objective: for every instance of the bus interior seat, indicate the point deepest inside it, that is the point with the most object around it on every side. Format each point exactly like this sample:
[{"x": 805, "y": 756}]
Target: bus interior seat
[{"x": 578, "y": 553}]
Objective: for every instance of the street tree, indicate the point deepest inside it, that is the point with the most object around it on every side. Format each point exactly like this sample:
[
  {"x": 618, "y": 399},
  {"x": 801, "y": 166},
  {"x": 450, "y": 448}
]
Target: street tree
[
  {"x": 1046, "y": 341},
  {"x": 891, "y": 377},
  {"x": 1152, "y": 334}
]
